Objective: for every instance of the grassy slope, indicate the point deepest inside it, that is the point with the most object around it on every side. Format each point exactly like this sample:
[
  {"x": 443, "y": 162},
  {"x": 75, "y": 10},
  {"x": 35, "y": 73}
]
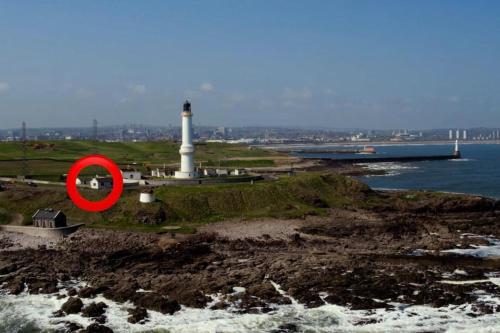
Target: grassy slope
[
  {"x": 63, "y": 153},
  {"x": 188, "y": 206}
]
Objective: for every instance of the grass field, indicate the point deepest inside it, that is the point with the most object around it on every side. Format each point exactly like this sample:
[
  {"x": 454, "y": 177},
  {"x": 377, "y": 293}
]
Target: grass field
[
  {"x": 190, "y": 206},
  {"x": 49, "y": 160}
]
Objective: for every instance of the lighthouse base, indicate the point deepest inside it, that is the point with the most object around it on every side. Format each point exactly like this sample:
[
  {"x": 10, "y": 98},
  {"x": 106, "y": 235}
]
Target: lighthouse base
[{"x": 186, "y": 175}]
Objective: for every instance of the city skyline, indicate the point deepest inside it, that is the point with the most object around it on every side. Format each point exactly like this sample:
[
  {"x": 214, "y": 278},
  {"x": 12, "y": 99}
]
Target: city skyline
[{"x": 328, "y": 64}]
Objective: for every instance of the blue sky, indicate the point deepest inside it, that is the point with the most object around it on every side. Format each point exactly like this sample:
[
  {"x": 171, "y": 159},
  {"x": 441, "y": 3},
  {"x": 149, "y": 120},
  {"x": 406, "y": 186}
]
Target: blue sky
[{"x": 336, "y": 64}]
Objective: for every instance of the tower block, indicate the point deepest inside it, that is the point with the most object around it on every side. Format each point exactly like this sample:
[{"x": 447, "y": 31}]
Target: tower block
[{"x": 187, "y": 170}]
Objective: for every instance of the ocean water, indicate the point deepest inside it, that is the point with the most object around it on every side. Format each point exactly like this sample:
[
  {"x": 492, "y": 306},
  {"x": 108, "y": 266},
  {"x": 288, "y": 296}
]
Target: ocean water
[{"x": 478, "y": 172}]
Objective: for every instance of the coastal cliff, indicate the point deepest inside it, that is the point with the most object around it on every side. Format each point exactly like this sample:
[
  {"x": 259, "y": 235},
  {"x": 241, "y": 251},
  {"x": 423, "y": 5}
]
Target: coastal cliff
[{"x": 366, "y": 251}]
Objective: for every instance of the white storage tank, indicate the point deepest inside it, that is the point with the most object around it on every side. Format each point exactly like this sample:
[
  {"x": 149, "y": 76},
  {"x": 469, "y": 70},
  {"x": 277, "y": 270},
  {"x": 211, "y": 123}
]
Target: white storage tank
[{"x": 147, "y": 196}]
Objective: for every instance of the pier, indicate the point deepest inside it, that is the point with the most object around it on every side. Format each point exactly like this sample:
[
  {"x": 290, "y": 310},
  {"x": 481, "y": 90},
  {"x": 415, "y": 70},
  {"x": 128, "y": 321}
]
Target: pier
[{"x": 400, "y": 159}]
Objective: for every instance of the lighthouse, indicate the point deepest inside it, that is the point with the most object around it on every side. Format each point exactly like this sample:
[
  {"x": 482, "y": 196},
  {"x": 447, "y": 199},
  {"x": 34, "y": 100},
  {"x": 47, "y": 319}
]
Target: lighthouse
[
  {"x": 456, "y": 153},
  {"x": 187, "y": 148}
]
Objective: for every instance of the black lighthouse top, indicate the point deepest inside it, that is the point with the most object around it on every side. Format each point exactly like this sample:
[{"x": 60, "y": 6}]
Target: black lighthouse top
[{"x": 187, "y": 107}]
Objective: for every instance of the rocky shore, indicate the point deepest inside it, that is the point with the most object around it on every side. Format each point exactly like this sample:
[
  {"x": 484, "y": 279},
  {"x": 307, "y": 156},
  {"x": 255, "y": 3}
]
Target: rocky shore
[{"x": 390, "y": 251}]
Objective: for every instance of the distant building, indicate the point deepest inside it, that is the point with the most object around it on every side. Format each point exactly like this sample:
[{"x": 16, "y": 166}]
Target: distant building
[
  {"x": 131, "y": 174},
  {"x": 147, "y": 196},
  {"x": 98, "y": 183},
  {"x": 82, "y": 181},
  {"x": 158, "y": 173},
  {"x": 208, "y": 172},
  {"x": 49, "y": 218},
  {"x": 222, "y": 172},
  {"x": 239, "y": 172},
  {"x": 360, "y": 137}
]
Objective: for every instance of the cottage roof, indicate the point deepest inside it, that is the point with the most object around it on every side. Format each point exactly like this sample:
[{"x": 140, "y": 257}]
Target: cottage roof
[
  {"x": 46, "y": 214},
  {"x": 103, "y": 178}
]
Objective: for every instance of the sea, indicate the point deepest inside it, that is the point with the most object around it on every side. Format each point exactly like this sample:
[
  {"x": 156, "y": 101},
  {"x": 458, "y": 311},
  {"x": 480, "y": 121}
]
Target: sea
[{"x": 477, "y": 172}]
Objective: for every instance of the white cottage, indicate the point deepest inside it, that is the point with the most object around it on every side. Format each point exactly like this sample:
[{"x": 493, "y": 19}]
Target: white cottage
[
  {"x": 239, "y": 172},
  {"x": 98, "y": 183},
  {"x": 222, "y": 172},
  {"x": 131, "y": 174}
]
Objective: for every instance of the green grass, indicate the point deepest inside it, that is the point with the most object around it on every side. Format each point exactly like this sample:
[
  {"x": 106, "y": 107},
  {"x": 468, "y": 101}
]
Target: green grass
[
  {"x": 54, "y": 158},
  {"x": 191, "y": 206},
  {"x": 5, "y": 217},
  {"x": 240, "y": 163},
  {"x": 127, "y": 152}
]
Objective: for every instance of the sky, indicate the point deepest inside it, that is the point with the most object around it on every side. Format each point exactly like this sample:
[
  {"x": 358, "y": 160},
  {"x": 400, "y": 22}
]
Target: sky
[{"x": 332, "y": 64}]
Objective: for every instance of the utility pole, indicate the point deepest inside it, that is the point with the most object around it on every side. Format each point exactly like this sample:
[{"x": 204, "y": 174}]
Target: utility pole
[
  {"x": 94, "y": 143},
  {"x": 24, "y": 168},
  {"x": 94, "y": 130}
]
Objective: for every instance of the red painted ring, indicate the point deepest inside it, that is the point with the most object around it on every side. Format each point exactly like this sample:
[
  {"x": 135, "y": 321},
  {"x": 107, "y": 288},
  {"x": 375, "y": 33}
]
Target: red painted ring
[{"x": 78, "y": 199}]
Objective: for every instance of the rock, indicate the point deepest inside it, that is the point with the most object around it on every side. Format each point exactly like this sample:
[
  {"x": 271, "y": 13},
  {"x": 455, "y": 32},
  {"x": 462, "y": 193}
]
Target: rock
[
  {"x": 7, "y": 268},
  {"x": 137, "y": 315},
  {"x": 156, "y": 302},
  {"x": 296, "y": 238},
  {"x": 16, "y": 286},
  {"x": 97, "y": 328},
  {"x": 86, "y": 292},
  {"x": 72, "y": 292},
  {"x": 94, "y": 309},
  {"x": 58, "y": 314},
  {"x": 72, "y": 327},
  {"x": 122, "y": 292},
  {"x": 72, "y": 305},
  {"x": 191, "y": 298},
  {"x": 286, "y": 328},
  {"x": 42, "y": 285},
  {"x": 101, "y": 319}
]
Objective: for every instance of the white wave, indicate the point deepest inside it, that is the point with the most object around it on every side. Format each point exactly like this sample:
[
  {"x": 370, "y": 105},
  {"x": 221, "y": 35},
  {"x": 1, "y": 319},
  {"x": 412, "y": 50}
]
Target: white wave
[
  {"x": 481, "y": 251},
  {"x": 391, "y": 168},
  {"x": 27, "y": 312},
  {"x": 461, "y": 160}
]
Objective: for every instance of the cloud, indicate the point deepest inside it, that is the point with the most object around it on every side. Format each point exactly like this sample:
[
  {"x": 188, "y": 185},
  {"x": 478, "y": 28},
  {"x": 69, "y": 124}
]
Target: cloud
[
  {"x": 82, "y": 92},
  {"x": 454, "y": 99},
  {"x": 139, "y": 88},
  {"x": 304, "y": 93},
  {"x": 4, "y": 86},
  {"x": 207, "y": 87}
]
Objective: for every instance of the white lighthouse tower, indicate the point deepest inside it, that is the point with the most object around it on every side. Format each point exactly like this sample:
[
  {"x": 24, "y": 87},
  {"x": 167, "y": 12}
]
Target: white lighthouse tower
[{"x": 187, "y": 148}]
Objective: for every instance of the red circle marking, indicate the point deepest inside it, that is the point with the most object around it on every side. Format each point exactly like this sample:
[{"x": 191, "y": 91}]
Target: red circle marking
[{"x": 78, "y": 199}]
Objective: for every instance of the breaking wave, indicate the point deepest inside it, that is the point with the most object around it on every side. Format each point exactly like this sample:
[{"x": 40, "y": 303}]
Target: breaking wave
[
  {"x": 29, "y": 313},
  {"x": 391, "y": 168}
]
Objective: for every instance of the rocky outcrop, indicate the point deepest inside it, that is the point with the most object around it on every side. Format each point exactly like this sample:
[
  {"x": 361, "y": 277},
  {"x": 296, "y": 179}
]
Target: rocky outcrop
[
  {"x": 156, "y": 302},
  {"x": 361, "y": 258},
  {"x": 72, "y": 305},
  {"x": 137, "y": 315},
  {"x": 94, "y": 309},
  {"x": 97, "y": 328}
]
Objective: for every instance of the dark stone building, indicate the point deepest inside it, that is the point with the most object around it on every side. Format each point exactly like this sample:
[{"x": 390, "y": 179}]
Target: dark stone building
[{"x": 49, "y": 218}]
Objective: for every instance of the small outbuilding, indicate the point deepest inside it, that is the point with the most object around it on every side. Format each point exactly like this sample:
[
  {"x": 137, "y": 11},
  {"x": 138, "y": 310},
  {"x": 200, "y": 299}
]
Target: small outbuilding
[
  {"x": 209, "y": 172},
  {"x": 147, "y": 196},
  {"x": 49, "y": 218},
  {"x": 239, "y": 172},
  {"x": 222, "y": 172},
  {"x": 131, "y": 174},
  {"x": 101, "y": 182}
]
